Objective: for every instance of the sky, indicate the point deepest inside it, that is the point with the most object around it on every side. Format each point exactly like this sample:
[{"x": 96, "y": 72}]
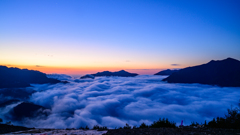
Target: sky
[{"x": 141, "y": 36}]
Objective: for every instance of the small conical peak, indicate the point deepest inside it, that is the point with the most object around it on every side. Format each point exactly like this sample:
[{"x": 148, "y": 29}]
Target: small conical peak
[
  {"x": 230, "y": 59},
  {"x": 122, "y": 71}
]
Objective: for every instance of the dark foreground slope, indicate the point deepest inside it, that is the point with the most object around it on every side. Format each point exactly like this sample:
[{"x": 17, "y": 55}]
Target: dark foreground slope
[
  {"x": 4, "y": 128},
  {"x": 145, "y": 131},
  {"x": 225, "y": 73},
  {"x": 173, "y": 131},
  {"x": 16, "y": 78}
]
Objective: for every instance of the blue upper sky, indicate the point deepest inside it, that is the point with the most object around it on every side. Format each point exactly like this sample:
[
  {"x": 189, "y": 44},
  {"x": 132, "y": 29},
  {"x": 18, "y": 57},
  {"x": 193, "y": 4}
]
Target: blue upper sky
[{"x": 126, "y": 34}]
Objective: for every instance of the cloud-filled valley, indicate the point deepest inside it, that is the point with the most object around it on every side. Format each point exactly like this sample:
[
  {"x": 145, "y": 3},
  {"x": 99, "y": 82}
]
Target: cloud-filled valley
[{"x": 115, "y": 101}]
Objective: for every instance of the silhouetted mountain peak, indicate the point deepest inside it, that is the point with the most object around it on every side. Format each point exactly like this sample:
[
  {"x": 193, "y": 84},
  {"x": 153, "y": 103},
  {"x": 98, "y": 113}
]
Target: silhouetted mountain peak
[
  {"x": 216, "y": 72},
  {"x": 121, "y": 73},
  {"x": 229, "y": 58},
  {"x": 16, "y": 78}
]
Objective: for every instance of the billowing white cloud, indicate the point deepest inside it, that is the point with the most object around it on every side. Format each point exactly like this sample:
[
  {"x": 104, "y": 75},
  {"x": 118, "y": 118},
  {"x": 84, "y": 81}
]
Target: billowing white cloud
[{"x": 115, "y": 101}]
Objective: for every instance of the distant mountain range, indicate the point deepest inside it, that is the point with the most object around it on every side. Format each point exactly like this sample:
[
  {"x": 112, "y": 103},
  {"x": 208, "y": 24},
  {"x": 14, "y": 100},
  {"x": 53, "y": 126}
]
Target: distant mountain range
[
  {"x": 166, "y": 72},
  {"x": 120, "y": 73},
  {"x": 17, "y": 78},
  {"x": 225, "y": 73}
]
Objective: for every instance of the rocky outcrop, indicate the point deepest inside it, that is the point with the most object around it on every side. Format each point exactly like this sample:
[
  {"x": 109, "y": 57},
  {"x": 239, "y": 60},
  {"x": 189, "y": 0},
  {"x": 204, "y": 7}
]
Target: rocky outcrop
[{"x": 225, "y": 73}]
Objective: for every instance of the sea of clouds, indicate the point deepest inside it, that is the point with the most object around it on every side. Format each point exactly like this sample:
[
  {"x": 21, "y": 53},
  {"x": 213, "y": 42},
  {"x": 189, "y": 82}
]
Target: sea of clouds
[{"x": 115, "y": 101}]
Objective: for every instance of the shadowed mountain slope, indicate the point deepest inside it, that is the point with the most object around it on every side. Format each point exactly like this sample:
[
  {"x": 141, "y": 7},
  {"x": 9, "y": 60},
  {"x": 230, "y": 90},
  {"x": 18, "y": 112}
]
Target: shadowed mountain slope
[
  {"x": 166, "y": 72},
  {"x": 225, "y": 73},
  {"x": 16, "y": 78}
]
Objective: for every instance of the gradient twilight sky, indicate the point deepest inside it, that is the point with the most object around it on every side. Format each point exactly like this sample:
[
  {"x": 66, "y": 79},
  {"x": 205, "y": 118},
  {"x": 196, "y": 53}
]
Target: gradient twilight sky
[{"x": 142, "y": 36}]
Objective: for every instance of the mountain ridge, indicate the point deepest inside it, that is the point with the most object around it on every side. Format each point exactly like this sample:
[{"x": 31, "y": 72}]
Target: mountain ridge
[
  {"x": 224, "y": 73},
  {"x": 121, "y": 73},
  {"x": 166, "y": 72},
  {"x": 19, "y": 78}
]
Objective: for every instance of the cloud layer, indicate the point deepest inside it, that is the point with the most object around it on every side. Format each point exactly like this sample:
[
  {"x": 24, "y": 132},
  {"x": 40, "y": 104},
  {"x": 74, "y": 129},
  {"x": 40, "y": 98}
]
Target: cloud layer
[{"x": 115, "y": 101}]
